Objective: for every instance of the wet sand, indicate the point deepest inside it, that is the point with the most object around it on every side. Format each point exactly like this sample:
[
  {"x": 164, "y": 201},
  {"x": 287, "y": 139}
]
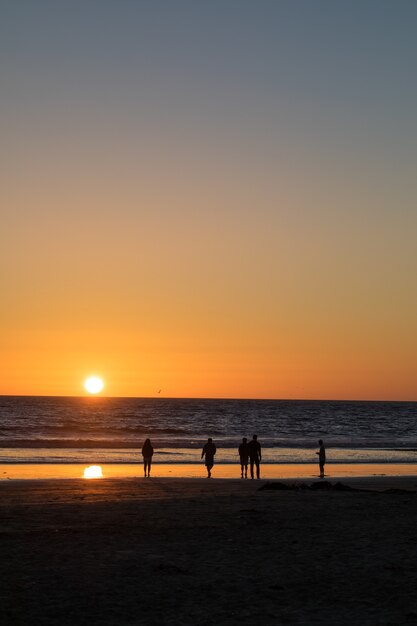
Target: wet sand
[
  {"x": 207, "y": 552},
  {"x": 306, "y": 471}
]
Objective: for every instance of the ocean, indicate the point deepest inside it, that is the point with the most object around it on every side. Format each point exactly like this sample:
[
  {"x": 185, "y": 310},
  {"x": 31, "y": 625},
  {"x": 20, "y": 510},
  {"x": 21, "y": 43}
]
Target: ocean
[{"x": 112, "y": 430}]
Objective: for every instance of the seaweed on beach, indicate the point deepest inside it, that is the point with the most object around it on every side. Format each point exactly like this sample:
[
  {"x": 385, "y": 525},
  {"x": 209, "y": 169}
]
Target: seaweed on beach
[{"x": 327, "y": 486}]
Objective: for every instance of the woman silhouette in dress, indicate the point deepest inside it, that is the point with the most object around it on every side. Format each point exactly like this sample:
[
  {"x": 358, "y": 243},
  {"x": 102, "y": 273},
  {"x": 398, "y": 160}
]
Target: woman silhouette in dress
[{"x": 147, "y": 453}]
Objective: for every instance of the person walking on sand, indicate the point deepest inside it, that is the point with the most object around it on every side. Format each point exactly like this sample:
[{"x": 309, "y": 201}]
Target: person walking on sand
[
  {"x": 147, "y": 453},
  {"x": 244, "y": 457},
  {"x": 322, "y": 457},
  {"x": 209, "y": 450},
  {"x": 255, "y": 455}
]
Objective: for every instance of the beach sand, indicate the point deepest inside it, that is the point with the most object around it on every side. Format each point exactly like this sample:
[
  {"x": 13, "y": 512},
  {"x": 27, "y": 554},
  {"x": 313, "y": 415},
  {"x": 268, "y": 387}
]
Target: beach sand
[{"x": 204, "y": 552}]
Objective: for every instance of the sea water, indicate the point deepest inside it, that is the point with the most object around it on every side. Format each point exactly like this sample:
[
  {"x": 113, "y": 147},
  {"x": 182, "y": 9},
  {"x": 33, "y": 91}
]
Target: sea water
[{"x": 112, "y": 430}]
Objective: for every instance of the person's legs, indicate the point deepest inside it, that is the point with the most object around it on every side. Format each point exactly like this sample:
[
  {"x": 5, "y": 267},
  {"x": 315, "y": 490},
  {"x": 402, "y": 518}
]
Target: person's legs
[
  {"x": 144, "y": 466},
  {"x": 246, "y": 470},
  {"x": 251, "y": 468},
  {"x": 241, "y": 470},
  {"x": 257, "y": 469},
  {"x": 149, "y": 468},
  {"x": 321, "y": 471}
]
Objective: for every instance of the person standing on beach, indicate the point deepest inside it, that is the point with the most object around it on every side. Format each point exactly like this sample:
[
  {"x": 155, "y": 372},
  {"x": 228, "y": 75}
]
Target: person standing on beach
[
  {"x": 147, "y": 453},
  {"x": 255, "y": 455},
  {"x": 244, "y": 457},
  {"x": 322, "y": 457},
  {"x": 209, "y": 450}
]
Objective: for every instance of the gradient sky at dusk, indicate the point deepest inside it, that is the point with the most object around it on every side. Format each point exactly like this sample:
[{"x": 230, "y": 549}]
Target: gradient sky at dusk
[{"x": 215, "y": 199}]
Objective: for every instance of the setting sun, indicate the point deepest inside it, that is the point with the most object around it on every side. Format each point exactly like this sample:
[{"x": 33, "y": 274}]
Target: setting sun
[
  {"x": 93, "y": 471},
  {"x": 93, "y": 384}
]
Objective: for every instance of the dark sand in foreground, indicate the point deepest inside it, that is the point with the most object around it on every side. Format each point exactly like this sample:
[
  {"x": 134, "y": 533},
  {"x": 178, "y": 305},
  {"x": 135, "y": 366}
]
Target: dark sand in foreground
[{"x": 199, "y": 552}]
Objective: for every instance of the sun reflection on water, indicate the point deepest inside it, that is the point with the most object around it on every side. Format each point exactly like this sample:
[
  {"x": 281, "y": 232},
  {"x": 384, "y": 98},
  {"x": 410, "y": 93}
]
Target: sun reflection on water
[{"x": 93, "y": 471}]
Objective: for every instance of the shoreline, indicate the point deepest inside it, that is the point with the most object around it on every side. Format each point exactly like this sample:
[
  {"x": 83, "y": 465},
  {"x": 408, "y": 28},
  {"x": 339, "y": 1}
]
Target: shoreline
[{"x": 229, "y": 471}]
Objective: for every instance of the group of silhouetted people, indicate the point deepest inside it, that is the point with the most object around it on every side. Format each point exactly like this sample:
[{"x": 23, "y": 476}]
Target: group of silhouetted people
[{"x": 250, "y": 454}]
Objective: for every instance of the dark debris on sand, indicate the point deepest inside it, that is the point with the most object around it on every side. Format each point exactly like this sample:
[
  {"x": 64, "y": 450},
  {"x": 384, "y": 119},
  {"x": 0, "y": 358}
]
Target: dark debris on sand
[{"x": 326, "y": 486}]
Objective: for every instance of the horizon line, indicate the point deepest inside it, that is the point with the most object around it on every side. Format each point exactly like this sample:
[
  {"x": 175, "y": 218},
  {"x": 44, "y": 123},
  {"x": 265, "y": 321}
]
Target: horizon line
[{"x": 231, "y": 399}]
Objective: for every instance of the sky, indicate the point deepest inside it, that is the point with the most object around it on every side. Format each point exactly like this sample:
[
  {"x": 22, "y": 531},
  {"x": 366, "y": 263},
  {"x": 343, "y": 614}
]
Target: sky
[{"x": 211, "y": 199}]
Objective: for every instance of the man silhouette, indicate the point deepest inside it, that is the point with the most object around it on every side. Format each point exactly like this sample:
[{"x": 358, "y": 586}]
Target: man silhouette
[
  {"x": 255, "y": 455},
  {"x": 209, "y": 450},
  {"x": 322, "y": 457}
]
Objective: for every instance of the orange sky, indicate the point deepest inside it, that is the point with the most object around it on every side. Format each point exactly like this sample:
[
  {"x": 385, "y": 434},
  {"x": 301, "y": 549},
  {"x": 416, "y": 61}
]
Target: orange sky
[{"x": 189, "y": 214}]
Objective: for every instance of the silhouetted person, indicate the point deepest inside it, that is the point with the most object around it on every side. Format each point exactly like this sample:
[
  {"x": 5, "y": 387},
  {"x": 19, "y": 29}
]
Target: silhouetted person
[
  {"x": 255, "y": 455},
  {"x": 322, "y": 457},
  {"x": 209, "y": 450},
  {"x": 244, "y": 457},
  {"x": 147, "y": 453}
]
